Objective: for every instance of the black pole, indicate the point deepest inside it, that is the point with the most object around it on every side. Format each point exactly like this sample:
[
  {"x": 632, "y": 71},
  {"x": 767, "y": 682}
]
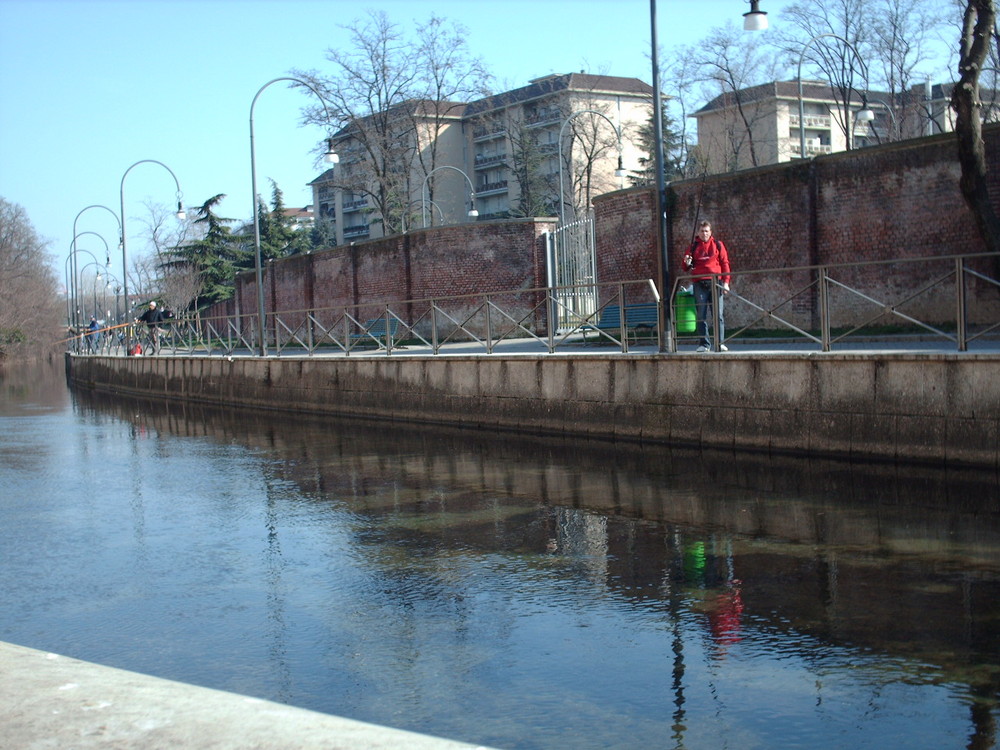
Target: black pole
[{"x": 663, "y": 257}]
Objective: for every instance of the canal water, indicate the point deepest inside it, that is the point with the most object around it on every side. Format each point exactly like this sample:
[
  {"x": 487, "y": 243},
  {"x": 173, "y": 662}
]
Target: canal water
[{"x": 519, "y": 593}]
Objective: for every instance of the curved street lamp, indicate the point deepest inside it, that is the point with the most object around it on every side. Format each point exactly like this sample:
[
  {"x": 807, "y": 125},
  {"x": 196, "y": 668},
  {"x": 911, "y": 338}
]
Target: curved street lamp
[
  {"x": 619, "y": 171},
  {"x": 424, "y": 198},
  {"x": 73, "y": 251},
  {"x": 866, "y": 115},
  {"x": 802, "y": 117},
  {"x": 434, "y": 205},
  {"x": 69, "y": 276},
  {"x": 330, "y": 157},
  {"x": 82, "y": 211},
  {"x": 180, "y": 216},
  {"x": 94, "y": 311}
]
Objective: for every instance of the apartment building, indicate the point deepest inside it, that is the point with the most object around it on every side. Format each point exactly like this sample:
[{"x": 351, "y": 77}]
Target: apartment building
[
  {"x": 492, "y": 158},
  {"x": 760, "y": 125}
]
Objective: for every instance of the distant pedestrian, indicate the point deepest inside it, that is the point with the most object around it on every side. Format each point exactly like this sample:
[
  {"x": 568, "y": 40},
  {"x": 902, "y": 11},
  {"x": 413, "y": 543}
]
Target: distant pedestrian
[
  {"x": 93, "y": 335},
  {"x": 153, "y": 317},
  {"x": 708, "y": 255}
]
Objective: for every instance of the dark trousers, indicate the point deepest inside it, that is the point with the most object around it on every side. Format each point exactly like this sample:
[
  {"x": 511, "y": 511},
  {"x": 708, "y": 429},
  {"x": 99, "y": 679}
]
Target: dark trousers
[{"x": 703, "y": 312}]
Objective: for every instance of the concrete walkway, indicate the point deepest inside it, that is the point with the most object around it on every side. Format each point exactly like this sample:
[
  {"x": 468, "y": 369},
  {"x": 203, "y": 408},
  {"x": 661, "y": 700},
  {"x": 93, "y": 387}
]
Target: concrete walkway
[{"x": 52, "y": 702}]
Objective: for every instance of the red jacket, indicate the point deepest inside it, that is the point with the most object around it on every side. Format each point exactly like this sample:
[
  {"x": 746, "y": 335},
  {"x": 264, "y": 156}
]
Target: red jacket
[{"x": 708, "y": 258}]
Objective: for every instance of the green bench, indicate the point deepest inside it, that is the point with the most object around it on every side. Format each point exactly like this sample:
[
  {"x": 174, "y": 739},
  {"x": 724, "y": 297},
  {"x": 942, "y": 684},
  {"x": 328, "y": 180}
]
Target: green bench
[
  {"x": 643, "y": 316},
  {"x": 376, "y": 330}
]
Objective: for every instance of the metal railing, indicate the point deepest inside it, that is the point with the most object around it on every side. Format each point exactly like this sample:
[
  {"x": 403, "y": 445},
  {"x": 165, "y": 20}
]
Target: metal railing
[
  {"x": 951, "y": 298},
  {"x": 871, "y": 294}
]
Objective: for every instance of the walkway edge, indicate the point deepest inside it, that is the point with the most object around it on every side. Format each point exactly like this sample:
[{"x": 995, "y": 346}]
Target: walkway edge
[{"x": 52, "y": 701}]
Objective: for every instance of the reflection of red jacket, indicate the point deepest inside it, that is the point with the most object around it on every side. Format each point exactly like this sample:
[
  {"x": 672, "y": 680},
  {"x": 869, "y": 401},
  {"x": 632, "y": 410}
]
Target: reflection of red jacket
[{"x": 709, "y": 257}]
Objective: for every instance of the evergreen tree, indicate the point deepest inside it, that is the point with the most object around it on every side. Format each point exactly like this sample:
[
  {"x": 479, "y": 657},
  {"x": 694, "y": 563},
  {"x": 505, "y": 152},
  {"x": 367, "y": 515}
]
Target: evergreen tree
[
  {"x": 676, "y": 154},
  {"x": 217, "y": 256},
  {"x": 278, "y": 236}
]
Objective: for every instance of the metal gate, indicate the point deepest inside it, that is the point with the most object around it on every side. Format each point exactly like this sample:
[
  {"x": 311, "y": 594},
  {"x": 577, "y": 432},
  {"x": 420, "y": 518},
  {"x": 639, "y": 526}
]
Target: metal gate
[{"x": 572, "y": 272}]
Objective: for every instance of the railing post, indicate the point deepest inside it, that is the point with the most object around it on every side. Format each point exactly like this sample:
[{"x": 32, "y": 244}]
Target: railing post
[
  {"x": 550, "y": 328},
  {"x": 489, "y": 327},
  {"x": 715, "y": 314},
  {"x": 960, "y": 312},
  {"x": 435, "y": 347},
  {"x": 388, "y": 332},
  {"x": 624, "y": 318},
  {"x": 824, "y": 310}
]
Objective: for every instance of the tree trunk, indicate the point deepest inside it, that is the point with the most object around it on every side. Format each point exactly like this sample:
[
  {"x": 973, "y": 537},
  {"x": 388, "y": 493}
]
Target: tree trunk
[{"x": 977, "y": 28}]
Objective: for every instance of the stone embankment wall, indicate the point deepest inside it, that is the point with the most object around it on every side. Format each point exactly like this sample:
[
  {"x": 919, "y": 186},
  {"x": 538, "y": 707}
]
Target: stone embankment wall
[{"x": 895, "y": 407}]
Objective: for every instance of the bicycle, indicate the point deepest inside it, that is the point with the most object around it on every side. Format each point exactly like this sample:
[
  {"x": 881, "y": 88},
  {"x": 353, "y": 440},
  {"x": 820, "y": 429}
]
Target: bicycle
[{"x": 149, "y": 342}]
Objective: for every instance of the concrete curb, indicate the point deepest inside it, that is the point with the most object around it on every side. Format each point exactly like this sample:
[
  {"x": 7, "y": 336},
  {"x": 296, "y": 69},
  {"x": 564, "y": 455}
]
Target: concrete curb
[{"x": 49, "y": 701}]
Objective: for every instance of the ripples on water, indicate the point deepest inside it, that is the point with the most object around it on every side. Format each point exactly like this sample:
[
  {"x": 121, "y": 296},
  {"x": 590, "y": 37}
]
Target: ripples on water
[{"x": 529, "y": 594}]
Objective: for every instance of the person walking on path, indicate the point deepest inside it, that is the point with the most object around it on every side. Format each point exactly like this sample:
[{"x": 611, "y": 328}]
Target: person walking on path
[
  {"x": 93, "y": 335},
  {"x": 708, "y": 255},
  {"x": 153, "y": 317}
]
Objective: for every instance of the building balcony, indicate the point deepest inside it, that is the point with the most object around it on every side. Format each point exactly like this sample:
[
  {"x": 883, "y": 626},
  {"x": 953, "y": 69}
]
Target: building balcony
[
  {"x": 820, "y": 122},
  {"x": 491, "y": 187},
  {"x": 813, "y": 147},
  {"x": 543, "y": 117},
  {"x": 483, "y": 161},
  {"x": 487, "y": 133},
  {"x": 356, "y": 231},
  {"x": 355, "y": 205}
]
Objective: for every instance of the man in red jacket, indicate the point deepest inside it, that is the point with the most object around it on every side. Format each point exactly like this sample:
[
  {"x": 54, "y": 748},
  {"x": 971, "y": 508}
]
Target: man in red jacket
[{"x": 707, "y": 255}]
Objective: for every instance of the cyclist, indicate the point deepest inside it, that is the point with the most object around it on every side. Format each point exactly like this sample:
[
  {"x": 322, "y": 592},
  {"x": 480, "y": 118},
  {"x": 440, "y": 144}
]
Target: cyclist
[{"x": 153, "y": 317}]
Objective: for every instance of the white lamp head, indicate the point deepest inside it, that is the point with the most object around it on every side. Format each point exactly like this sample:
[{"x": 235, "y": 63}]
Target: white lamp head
[
  {"x": 756, "y": 19},
  {"x": 331, "y": 156}
]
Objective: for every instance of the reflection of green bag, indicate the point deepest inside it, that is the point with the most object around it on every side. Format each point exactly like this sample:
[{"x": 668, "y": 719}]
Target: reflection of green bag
[{"x": 684, "y": 314}]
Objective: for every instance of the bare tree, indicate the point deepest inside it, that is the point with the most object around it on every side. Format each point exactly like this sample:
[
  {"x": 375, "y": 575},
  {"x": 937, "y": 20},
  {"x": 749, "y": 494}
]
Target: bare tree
[
  {"x": 680, "y": 144},
  {"x": 29, "y": 305},
  {"x": 978, "y": 30},
  {"x": 392, "y": 97},
  {"x": 729, "y": 64},
  {"x": 592, "y": 140},
  {"x": 830, "y": 36},
  {"x": 530, "y": 167},
  {"x": 158, "y": 273}
]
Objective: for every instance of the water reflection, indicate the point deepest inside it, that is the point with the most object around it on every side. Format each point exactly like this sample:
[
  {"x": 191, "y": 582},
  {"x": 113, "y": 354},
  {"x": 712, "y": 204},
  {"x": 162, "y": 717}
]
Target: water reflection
[{"x": 533, "y": 593}]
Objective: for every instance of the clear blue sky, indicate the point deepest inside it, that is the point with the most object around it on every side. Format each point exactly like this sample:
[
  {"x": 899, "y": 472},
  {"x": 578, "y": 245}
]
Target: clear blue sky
[{"x": 88, "y": 88}]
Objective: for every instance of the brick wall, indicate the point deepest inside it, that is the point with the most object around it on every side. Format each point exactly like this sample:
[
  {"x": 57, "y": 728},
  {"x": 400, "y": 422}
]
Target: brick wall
[
  {"x": 892, "y": 202},
  {"x": 467, "y": 259},
  {"x": 897, "y": 201}
]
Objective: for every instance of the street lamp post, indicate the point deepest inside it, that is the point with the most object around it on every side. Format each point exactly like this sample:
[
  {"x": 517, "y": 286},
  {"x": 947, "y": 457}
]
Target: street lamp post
[
  {"x": 69, "y": 277},
  {"x": 754, "y": 20},
  {"x": 93, "y": 308},
  {"x": 82, "y": 211},
  {"x": 619, "y": 172},
  {"x": 434, "y": 205},
  {"x": 423, "y": 198},
  {"x": 802, "y": 117},
  {"x": 180, "y": 216},
  {"x": 107, "y": 252},
  {"x": 866, "y": 115},
  {"x": 331, "y": 157}
]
